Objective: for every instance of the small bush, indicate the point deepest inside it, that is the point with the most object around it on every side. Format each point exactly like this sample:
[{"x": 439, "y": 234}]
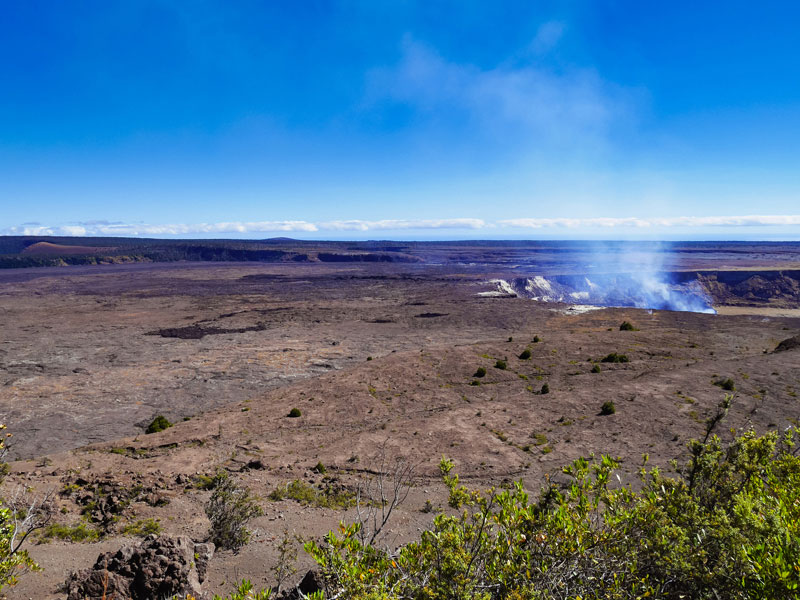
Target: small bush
[
  {"x": 726, "y": 384},
  {"x": 526, "y": 354},
  {"x": 229, "y": 509},
  {"x": 536, "y": 339},
  {"x": 613, "y": 357},
  {"x": 481, "y": 372},
  {"x": 142, "y": 528},
  {"x": 206, "y": 482},
  {"x": 79, "y": 532},
  {"x": 294, "y": 413},
  {"x": 501, "y": 364},
  {"x": 596, "y": 368},
  {"x": 608, "y": 408},
  {"x": 627, "y": 326},
  {"x": 320, "y": 468},
  {"x": 545, "y": 389},
  {"x": 160, "y": 423},
  {"x": 308, "y": 495}
]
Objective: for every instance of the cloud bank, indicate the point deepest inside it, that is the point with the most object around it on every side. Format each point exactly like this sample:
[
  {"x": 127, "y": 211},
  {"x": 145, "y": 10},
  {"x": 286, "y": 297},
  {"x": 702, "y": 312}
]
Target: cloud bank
[{"x": 105, "y": 228}]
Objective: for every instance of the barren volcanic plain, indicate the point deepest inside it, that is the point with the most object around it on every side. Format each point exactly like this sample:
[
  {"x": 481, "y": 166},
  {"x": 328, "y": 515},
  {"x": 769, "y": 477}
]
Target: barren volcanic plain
[{"x": 379, "y": 356}]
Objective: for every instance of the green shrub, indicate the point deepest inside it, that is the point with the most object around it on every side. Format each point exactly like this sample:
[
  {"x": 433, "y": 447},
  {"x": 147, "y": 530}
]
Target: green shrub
[
  {"x": 545, "y": 389},
  {"x": 294, "y": 413},
  {"x": 209, "y": 482},
  {"x": 627, "y": 326},
  {"x": 246, "y": 591},
  {"x": 481, "y": 372},
  {"x": 320, "y": 468},
  {"x": 79, "y": 532},
  {"x": 536, "y": 339},
  {"x": 160, "y": 423},
  {"x": 501, "y": 364},
  {"x": 526, "y": 354},
  {"x": 596, "y": 368},
  {"x": 613, "y": 357},
  {"x": 727, "y": 525},
  {"x": 608, "y": 408},
  {"x": 229, "y": 509},
  {"x": 726, "y": 384},
  {"x": 142, "y": 527},
  {"x": 308, "y": 495}
]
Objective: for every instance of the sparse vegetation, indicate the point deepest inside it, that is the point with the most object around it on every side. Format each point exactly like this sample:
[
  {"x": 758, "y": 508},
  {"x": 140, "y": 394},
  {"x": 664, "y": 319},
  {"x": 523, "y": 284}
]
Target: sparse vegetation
[
  {"x": 608, "y": 408},
  {"x": 160, "y": 423},
  {"x": 613, "y": 357},
  {"x": 229, "y": 509},
  {"x": 294, "y": 413},
  {"x": 142, "y": 527},
  {"x": 726, "y": 525},
  {"x": 77, "y": 532},
  {"x": 726, "y": 384},
  {"x": 307, "y": 495}
]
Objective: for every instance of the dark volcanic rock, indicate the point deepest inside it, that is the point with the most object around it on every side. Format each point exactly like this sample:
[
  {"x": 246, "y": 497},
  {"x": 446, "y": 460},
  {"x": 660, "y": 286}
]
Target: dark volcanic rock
[
  {"x": 788, "y": 344},
  {"x": 311, "y": 582},
  {"x": 158, "y": 567}
]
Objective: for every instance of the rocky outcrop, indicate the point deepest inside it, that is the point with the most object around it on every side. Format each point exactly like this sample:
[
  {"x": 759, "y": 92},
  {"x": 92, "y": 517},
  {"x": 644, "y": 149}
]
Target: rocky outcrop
[
  {"x": 158, "y": 567},
  {"x": 788, "y": 344}
]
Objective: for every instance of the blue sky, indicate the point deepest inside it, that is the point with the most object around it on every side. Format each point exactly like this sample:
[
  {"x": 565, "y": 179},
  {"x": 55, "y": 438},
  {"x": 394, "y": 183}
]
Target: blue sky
[{"x": 413, "y": 120}]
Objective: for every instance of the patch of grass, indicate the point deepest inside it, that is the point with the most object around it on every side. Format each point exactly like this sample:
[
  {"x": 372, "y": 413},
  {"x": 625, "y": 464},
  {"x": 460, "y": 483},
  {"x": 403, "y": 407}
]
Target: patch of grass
[
  {"x": 294, "y": 413},
  {"x": 608, "y": 408},
  {"x": 142, "y": 527},
  {"x": 160, "y": 423},
  {"x": 540, "y": 439},
  {"x": 79, "y": 532},
  {"x": 726, "y": 384},
  {"x": 307, "y": 495},
  {"x": 613, "y": 357},
  {"x": 209, "y": 482},
  {"x": 500, "y": 435}
]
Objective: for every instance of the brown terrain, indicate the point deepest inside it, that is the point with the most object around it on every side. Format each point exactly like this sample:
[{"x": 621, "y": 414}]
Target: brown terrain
[
  {"x": 379, "y": 358},
  {"x": 48, "y": 248}
]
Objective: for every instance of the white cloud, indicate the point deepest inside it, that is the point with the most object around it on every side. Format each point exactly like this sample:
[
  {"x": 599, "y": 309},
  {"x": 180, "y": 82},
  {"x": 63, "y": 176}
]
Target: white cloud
[
  {"x": 104, "y": 228},
  {"x": 542, "y": 106},
  {"x": 392, "y": 224},
  {"x": 666, "y": 222}
]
